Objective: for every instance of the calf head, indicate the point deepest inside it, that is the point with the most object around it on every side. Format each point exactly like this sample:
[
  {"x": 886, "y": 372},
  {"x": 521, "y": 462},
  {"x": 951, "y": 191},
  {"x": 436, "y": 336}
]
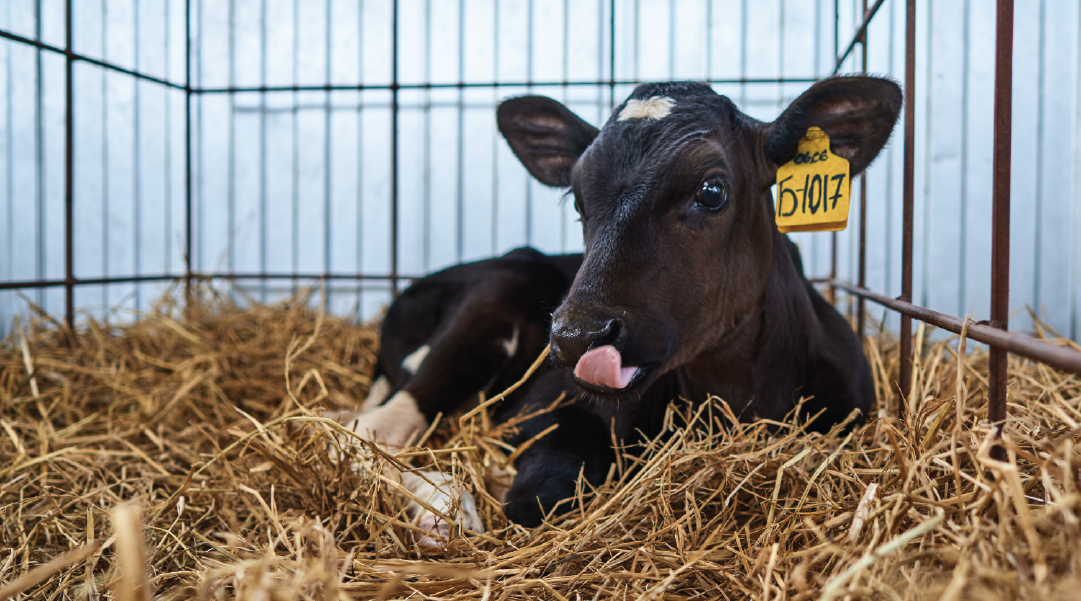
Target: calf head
[{"x": 675, "y": 202}]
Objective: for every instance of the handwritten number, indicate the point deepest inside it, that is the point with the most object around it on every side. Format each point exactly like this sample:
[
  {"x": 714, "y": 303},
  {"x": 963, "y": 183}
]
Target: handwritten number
[
  {"x": 806, "y": 181},
  {"x": 816, "y": 201},
  {"x": 780, "y": 204},
  {"x": 839, "y": 178}
]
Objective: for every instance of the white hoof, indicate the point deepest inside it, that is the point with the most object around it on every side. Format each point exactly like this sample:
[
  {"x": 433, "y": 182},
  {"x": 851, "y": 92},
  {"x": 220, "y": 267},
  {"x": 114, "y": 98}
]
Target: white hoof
[
  {"x": 391, "y": 424},
  {"x": 376, "y": 394},
  {"x": 447, "y": 497}
]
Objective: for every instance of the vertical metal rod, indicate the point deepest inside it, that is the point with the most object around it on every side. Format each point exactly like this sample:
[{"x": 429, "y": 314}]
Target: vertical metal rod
[
  {"x": 360, "y": 157},
  {"x": 168, "y": 150},
  {"x": 833, "y": 235},
  {"x": 394, "y": 155},
  {"x": 187, "y": 153},
  {"x": 295, "y": 215},
  {"x": 1000, "y": 212},
  {"x": 264, "y": 202},
  {"x": 496, "y": 139},
  {"x": 611, "y": 56},
  {"x": 327, "y": 143},
  {"x": 862, "y": 269},
  {"x": 426, "y": 154},
  {"x": 460, "y": 201},
  {"x": 905, "y": 380},
  {"x": 137, "y": 166},
  {"x": 69, "y": 172},
  {"x": 230, "y": 193},
  {"x": 39, "y": 149},
  {"x": 529, "y": 84}
]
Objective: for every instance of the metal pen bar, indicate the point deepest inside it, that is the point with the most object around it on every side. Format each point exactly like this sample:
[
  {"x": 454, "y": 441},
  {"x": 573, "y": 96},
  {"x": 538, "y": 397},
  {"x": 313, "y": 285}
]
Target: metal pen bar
[
  {"x": 861, "y": 274},
  {"x": 1000, "y": 213},
  {"x": 1059, "y": 357},
  {"x": 394, "y": 155},
  {"x": 184, "y": 277},
  {"x": 611, "y": 55},
  {"x": 486, "y": 84},
  {"x": 187, "y": 151},
  {"x": 905, "y": 377},
  {"x": 833, "y": 235},
  {"x": 135, "y": 279},
  {"x": 68, "y": 52},
  {"x": 69, "y": 174},
  {"x": 859, "y": 36}
]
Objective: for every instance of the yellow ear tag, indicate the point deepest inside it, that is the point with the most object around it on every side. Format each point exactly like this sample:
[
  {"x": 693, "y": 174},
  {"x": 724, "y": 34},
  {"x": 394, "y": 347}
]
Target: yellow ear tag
[{"x": 813, "y": 188}]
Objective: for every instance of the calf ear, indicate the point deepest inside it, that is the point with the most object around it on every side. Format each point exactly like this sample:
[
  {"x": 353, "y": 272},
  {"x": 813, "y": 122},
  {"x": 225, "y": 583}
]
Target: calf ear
[
  {"x": 545, "y": 136},
  {"x": 858, "y": 114}
]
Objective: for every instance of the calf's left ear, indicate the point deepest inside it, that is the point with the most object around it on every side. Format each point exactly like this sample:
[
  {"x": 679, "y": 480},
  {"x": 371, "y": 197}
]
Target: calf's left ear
[{"x": 857, "y": 112}]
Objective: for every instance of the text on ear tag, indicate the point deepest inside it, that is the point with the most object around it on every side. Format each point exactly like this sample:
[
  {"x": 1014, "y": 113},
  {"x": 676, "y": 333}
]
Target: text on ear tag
[{"x": 813, "y": 188}]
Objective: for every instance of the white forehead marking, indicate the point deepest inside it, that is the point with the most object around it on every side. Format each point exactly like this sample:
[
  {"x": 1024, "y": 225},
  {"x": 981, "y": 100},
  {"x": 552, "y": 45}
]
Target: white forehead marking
[{"x": 654, "y": 107}]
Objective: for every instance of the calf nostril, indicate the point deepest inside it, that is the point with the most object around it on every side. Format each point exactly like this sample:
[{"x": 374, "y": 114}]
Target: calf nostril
[{"x": 608, "y": 335}]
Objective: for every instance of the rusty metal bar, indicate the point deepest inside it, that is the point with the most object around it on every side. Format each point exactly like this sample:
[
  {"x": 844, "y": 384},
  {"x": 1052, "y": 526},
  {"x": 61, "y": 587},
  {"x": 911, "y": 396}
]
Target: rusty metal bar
[
  {"x": 1058, "y": 357},
  {"x": 861, "y": 275},
  {"x": 904, "y": 382},
  {"x": 612, "y": 55},
  {"x": 833, "y": 235},
  {"x": 394, "y": 87},
  {"x": 485, "y": 84},
  {"x": 68, "y": 52},
  {"x": 143, "y": 279},
  {"x": 187, "y": 152},
  {"x": 1000, "y": 211},
  {"x": 858, "y": 38},
  {"x": 69, "y": 174}
]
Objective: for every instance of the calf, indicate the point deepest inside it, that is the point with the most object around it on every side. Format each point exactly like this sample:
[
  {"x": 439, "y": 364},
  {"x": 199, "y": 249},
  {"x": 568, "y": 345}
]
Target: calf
[{"x": 686, "y": 288}]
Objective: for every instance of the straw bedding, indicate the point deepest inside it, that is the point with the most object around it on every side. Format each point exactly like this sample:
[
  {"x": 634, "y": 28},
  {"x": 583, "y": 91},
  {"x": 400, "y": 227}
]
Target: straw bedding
[{"x": 183, "y": 455}]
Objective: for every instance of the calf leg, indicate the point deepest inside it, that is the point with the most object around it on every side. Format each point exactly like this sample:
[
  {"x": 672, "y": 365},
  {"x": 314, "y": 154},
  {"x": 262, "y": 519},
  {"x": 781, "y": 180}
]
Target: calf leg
[
  {"x": 457, "y": 363},
  {"x": 460, "y": 361},
  {"x": 548, "y": 470}
]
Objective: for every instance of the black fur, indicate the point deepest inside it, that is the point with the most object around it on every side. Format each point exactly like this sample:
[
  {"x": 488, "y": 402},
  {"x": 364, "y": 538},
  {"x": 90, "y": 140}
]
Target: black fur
[{"x": 704, "y": 301}]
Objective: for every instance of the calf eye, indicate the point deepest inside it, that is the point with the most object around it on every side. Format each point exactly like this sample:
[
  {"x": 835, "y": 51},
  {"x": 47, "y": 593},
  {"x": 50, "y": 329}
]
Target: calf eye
[{"x": 712, "y": 195}]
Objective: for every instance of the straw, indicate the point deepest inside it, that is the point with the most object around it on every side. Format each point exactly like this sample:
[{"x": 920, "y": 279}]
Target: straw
[{"x": 205, "y": 420}]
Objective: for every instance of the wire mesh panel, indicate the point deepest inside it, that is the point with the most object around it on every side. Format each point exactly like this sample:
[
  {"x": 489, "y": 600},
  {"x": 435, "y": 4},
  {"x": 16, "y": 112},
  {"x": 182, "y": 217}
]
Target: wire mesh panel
[{"x": 355, "y": 138}]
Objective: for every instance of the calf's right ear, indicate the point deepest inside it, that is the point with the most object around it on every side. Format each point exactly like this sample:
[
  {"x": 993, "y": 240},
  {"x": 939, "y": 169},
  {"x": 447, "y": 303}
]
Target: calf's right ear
[{"x": 545, "y": 136}]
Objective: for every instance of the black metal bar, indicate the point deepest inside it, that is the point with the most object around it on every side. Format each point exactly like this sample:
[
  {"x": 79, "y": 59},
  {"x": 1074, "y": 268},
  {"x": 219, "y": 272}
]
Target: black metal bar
[
  {"x": 307, "y": 276},
  {"x": 611, "y": 55},
  {"x": 187, "y": 151},
  {"x": 833, "y": 235},
  {"x": 145, "y": 279},
  {"x": 859, "y": 36},
  {"x": 71, "y": 55},
  {"x": 1058, "y": 357},
  {"x": 905, "y": 377},
  {"x": 486, "y": 84},
  {"x": 861, "y": 275},
  {"x": 69, "y": 174},
  {"x": 394, "y": 155},
  {"x": 1000, "y": 213}
]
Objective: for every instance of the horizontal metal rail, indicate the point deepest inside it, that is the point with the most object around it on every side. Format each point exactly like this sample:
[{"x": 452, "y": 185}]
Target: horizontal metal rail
[
  {"x": 1059, "y": 357},
  {"x": 86, "y": 59},
  {"x": 5, "y": 34},
  {"x": 144, "y": 279},
  {"x": 487, "y": 84}
]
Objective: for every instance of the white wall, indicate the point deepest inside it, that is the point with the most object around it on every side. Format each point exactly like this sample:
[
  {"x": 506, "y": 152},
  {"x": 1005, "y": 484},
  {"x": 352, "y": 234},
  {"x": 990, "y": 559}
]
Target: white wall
[{"x": 300, "y": 181}]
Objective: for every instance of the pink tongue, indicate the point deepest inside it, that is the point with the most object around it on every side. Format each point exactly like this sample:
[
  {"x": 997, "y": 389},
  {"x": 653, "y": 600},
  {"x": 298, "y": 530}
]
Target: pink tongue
[{"x": 603, "y": 366}]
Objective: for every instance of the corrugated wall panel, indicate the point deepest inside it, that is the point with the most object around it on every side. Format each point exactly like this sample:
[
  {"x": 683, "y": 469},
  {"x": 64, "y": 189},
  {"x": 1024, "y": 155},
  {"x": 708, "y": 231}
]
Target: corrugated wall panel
[{"x": 299, "y": 181}]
